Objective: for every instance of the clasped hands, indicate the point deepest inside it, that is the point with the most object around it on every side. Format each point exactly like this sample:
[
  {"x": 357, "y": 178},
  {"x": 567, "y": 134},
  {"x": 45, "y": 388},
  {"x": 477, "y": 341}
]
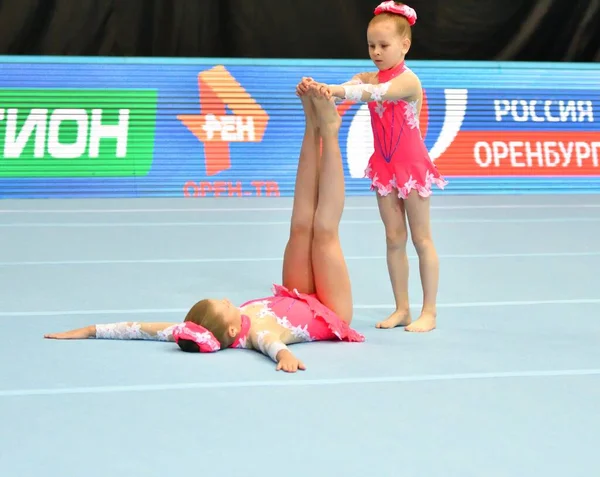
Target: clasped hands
[{"x": 310, "y": 86}]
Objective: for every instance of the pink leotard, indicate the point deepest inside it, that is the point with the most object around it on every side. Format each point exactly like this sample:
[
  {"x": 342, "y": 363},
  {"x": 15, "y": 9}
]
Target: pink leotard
[
  {"x": 304, "y": 316},
  {"x": 400, "y": 160}
]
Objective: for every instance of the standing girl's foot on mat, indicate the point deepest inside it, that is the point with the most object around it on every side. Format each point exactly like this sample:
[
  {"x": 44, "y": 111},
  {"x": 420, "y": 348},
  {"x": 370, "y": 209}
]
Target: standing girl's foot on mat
[
  {"x": 398, "y": 318},
  {"x": 426, "y": 322}
]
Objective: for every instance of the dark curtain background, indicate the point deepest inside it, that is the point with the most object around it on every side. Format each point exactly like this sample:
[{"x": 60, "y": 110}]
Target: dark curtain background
[{"x": 532, "y": 30}]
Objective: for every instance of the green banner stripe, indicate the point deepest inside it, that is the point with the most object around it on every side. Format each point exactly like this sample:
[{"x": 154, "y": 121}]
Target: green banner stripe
[{"x": 76, "y": 132}]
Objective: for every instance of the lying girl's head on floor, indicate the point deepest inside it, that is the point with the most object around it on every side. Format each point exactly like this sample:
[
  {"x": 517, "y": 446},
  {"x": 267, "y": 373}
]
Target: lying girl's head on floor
[
  {"x": 220, "y": 317},
  {"x": 389, "y": 33}
]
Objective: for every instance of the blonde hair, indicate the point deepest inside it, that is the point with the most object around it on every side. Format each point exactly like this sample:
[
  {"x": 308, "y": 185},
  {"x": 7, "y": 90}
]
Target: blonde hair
[
  {"x": 404, "y": 29},
  {"x": 203, "y": 313}
]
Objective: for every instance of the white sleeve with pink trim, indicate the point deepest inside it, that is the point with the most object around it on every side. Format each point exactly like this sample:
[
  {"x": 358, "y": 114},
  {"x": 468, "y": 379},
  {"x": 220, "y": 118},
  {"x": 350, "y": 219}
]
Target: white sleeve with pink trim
[
  {"x": 354, "y": 81},
  {"x": 268, "y": 343},
  {"x": 128, "y": 330},
  {"x": 364, "y": 93}
]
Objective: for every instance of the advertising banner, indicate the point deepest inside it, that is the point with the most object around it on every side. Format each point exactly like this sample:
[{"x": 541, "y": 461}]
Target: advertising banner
[
  {"x": 77, "y": 132},
  {"x": 233, "y": 128}
]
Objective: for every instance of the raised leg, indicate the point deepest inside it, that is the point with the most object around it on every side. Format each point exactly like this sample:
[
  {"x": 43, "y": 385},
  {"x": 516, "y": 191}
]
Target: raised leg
[
  {"x": 331, "y": 276},
  {"x": 297, "y": 258},
  {"x": 392, "y": 212},
  {"x": 417, "y": 211}
]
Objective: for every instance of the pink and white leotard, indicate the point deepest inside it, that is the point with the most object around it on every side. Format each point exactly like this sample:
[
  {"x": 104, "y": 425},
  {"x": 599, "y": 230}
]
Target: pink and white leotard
[
  {"x": 287, "y": 317},
  {"x": 400, "y": 159}
]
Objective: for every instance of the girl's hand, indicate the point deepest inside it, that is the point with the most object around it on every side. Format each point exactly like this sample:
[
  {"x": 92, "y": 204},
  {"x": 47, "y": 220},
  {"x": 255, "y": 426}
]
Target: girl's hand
[
  {"x": 79, "y": 334},
  {"x": 321, "y": 90},
  {"x": 287, "y": 362}
]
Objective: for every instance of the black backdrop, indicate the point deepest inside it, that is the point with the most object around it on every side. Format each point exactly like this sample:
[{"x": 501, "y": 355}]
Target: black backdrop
[{"x": 532, "y": 30}]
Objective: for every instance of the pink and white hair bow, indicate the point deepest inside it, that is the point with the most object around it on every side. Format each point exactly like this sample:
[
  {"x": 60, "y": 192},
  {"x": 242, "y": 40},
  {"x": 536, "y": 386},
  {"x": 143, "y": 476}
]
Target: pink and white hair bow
[
  {"x": 206, "y": 341},
  {"x": 392, "y": 7}
]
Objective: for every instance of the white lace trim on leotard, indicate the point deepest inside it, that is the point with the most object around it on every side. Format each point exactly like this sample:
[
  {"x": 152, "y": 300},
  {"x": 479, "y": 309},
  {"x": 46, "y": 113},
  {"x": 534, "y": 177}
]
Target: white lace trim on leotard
[
  {"x": 354, "y": 92},
  {"x": 131, "y": 331}
]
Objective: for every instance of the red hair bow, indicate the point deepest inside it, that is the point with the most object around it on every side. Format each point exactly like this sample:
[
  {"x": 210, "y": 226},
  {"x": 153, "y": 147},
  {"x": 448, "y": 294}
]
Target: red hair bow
[{"x": 393, "y": 7}]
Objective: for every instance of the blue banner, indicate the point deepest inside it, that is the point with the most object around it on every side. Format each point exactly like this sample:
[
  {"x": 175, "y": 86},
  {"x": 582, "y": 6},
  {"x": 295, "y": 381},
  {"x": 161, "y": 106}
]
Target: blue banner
[{"x": 84, "y": 127}]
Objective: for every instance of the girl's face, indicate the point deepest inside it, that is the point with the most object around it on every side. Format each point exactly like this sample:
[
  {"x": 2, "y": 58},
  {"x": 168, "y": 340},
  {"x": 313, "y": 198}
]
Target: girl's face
[
  {"x": 230, "y": 314},
  {"x": 387, "y": 47}
]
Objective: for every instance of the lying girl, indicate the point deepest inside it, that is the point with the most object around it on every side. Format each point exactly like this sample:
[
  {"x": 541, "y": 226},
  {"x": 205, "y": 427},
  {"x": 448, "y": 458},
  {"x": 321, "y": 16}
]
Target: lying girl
[{"x": 315, "y": 301}]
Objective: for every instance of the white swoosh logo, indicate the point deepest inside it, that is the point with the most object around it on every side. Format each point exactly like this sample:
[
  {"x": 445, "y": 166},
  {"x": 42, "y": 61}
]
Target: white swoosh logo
[{"x": 456, "y": 109}]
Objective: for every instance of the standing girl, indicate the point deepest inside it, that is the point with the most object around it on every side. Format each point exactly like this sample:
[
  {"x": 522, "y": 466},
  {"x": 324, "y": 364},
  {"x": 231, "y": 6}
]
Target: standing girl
[{"x": 400, "y": 168}]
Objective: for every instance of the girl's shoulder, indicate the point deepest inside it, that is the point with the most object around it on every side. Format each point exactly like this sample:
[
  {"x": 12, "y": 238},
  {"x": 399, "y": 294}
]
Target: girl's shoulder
[
  {"x": 367, "y": 77},
  {"x": 254, "y": 307}
]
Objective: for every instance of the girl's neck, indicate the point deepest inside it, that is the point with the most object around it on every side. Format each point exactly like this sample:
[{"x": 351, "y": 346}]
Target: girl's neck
[{"x": 390, "y": 73}]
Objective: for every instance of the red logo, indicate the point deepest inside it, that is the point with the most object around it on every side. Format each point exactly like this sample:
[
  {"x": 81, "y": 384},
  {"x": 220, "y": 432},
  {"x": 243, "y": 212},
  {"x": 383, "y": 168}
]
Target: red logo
[{"x": 219, "y": 90}]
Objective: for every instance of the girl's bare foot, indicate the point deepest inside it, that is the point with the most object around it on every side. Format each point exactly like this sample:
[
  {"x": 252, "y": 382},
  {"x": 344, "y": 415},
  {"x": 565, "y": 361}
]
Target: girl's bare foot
[
  {"x": 398, "y": 318},
  {"x": 426, "y": 322},
  {"x": 310, "y": 112},
  {"x": 329, "y": 118},
  {"x": 306, "y": 97}
]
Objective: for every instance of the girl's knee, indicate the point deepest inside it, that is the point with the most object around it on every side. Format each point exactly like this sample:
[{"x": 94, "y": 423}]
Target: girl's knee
[
  {"x": 393, "y": 217},
  {"x": 422, "y": 243},
  {"x": 396, "y": 237},
  {"x": 324, "y": 231},
  {"x": 301, "y": 225}
]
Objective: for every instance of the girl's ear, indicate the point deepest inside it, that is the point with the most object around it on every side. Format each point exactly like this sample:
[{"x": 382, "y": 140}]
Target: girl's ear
[
  {"x": 232, "y": 331},
  {"x": 406, "y": 45}
]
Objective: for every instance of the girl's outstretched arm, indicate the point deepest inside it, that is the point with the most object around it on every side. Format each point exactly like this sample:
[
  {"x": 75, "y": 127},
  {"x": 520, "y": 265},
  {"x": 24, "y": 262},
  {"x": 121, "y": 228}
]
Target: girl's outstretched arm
[
  {"x": 402, "y": 87},
  {"x": 364, "y": 77},
  {"x": 127, "y": 330},
  {"x": 270, "y": 344}
]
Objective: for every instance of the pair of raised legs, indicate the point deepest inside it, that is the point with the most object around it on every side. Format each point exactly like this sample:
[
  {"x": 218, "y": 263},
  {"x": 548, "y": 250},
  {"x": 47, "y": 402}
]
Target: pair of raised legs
[{"x": 313, "y": 259}]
